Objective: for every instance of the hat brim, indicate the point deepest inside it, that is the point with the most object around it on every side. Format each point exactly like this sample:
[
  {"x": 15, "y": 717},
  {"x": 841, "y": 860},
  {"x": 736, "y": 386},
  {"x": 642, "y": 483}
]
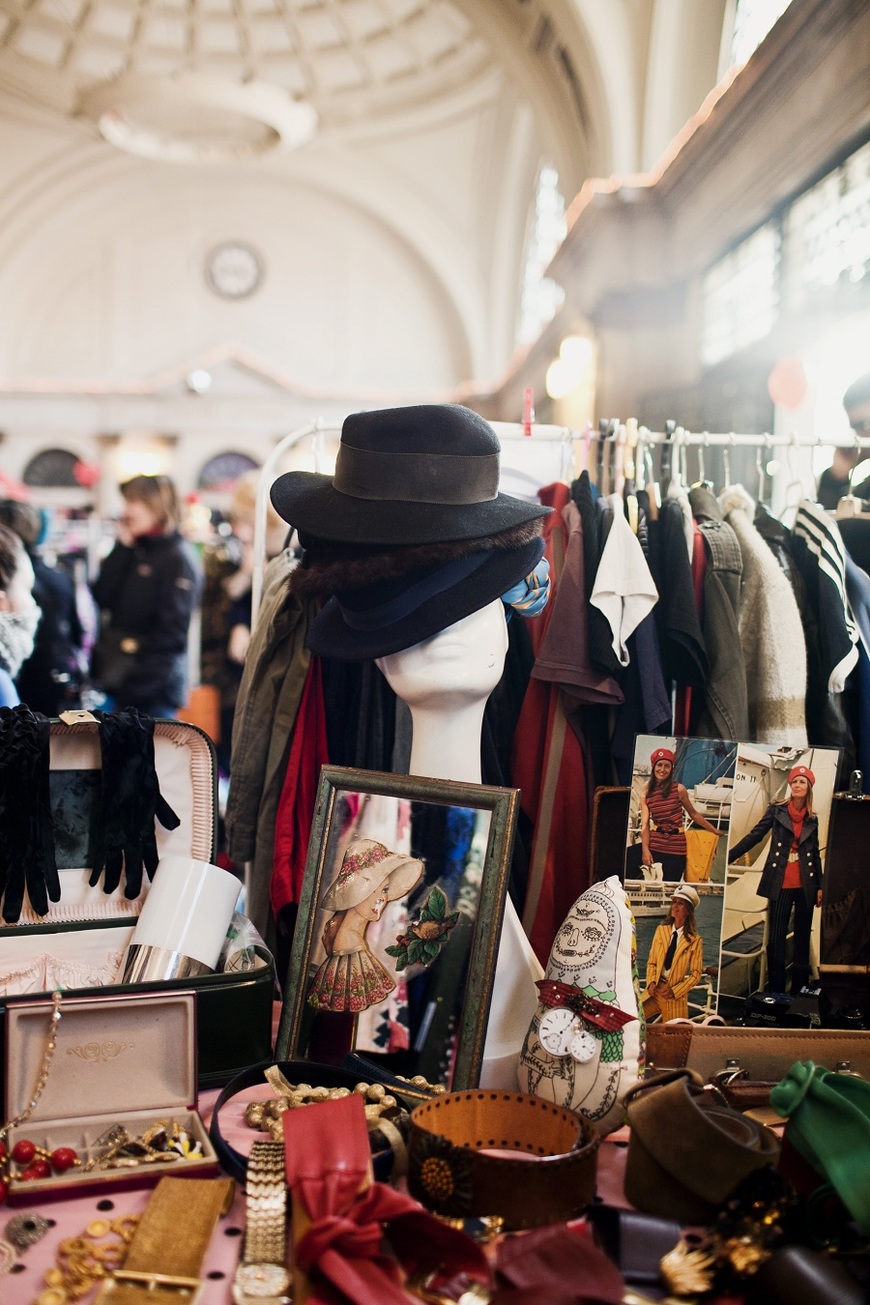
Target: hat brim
[
  {"x": 402, "y": 871},
  {"x": 329, "y": 635},
  {"x": 310, "y": 502}
]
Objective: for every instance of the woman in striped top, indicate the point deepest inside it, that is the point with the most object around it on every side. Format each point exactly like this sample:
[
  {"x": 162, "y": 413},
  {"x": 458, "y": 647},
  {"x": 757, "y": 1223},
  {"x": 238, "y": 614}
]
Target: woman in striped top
[{"x": 662, "y": 835}]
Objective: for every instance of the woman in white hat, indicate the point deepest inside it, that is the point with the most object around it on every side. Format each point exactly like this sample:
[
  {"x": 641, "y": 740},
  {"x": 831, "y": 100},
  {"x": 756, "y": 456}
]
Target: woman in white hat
[
  {"x": 352, "y": 978},
  {"x": 676, "y": 960}
]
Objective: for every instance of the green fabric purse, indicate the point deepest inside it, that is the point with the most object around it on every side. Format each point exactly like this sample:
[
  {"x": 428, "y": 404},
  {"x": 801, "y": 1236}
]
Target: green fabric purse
[{"x": 829, "y": 1124}]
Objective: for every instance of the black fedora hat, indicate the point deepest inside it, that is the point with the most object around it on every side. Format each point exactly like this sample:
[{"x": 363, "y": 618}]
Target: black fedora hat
[
  {"x": 406, "y": 476},
  {"x": 400, "y": 611}
]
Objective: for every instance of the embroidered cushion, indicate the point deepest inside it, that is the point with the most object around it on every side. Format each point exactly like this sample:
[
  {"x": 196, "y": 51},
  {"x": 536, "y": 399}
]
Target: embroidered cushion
[{"x": 595, "y": 951}]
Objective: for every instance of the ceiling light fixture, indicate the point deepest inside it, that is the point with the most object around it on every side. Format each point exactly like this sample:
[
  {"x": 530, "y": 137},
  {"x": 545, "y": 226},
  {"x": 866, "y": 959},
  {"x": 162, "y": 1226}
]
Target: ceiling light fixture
[{"x": 197, "y": 118}]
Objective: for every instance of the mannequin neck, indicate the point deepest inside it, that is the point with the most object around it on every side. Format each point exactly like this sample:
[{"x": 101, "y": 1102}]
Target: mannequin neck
[
  {"x": 446, "y": 744},
  {"x": 445, "y": 682}
]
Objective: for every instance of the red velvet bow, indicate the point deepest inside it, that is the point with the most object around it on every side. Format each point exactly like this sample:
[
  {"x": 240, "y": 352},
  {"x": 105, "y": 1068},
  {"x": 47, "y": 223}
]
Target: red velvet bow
[
  {"x": 346, "y": 1259},
  {"x": 600, "y": 1014},
  {"x": 343, "y": 1253}
]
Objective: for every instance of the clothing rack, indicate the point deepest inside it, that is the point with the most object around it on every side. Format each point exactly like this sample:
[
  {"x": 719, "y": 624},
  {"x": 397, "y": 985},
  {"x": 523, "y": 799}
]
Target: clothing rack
[{"x": 515, "y": 435}]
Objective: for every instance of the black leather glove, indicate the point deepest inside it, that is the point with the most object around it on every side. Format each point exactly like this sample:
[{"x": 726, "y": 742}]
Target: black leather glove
[
  {"x": 130, "y": 803},
  {"x": 27, "y": 857}
]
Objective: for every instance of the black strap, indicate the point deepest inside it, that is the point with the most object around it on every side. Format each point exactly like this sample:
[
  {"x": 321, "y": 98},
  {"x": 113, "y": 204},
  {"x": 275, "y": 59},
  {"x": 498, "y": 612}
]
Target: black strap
[{"x": 295, "y": 1071}]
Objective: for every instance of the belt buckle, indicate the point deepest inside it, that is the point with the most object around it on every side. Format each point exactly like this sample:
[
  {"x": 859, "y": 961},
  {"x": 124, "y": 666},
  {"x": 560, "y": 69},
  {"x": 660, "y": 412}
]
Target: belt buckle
[{"x": 161, "y": 1288}]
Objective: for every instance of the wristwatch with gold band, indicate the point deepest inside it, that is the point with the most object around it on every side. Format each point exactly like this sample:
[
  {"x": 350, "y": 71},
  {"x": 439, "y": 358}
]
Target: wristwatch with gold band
[{"x": 262, "y": 1277}]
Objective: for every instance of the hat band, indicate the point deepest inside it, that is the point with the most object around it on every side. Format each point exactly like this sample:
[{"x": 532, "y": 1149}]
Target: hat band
[
  {"x": 416, "y": 477},
  {"x": 409, "y": 597}
]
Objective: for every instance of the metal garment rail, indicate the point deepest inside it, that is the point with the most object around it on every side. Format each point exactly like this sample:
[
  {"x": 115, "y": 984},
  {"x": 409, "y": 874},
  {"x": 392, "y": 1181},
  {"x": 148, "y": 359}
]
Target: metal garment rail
[{"x": 629, "y": 433}]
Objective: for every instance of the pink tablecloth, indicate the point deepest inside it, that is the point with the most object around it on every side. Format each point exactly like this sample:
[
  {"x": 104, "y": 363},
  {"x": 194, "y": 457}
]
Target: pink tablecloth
[{"x": 72, "y": 1216}]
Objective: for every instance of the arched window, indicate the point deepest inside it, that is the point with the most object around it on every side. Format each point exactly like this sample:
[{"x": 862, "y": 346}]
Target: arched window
[
  {"x": 541, "y": 297},
  {"x": 52, "y": 469},
  {"x": 223, "y": 469}
]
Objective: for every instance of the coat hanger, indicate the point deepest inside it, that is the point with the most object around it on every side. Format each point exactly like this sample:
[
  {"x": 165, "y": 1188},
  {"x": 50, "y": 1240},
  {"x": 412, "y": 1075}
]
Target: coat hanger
[
  {"x": 648, "y": 475},
  {"x": 726, "y": 458},
  {"x": 599, "y": 453},
  {"x": 667, "y": 457},
  {"x": 632, "y": 510},
  {"x": 702, "y": 482},
  {"x": 795, "y": 483},
  {"x": 759, "y": 467}
]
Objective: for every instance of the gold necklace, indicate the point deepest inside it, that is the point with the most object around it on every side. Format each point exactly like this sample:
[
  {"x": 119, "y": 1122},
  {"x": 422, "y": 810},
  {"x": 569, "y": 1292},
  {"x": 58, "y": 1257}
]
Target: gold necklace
[{"x": 48, "y": 1056}]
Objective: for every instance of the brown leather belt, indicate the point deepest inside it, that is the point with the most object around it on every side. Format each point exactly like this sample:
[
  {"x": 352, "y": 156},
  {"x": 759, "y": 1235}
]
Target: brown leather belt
[
  {"x": 687, "y": 1153},
  {"x": 452, "y": 1171}
]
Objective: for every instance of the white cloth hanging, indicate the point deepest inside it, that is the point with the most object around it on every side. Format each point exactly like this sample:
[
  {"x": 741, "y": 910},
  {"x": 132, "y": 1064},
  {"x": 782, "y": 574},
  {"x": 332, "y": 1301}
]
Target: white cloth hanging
[{"x": 624, "y": 589}]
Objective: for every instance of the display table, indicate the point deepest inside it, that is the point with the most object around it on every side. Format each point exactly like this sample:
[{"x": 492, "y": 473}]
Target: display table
[{"x": 22, "y": 1286}]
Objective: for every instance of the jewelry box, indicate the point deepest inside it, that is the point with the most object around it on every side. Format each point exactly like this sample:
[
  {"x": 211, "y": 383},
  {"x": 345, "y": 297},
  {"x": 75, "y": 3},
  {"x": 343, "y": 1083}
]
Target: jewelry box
[
  {"x": 78, "y": 945},
  {"x": 121, "y": 1065}
]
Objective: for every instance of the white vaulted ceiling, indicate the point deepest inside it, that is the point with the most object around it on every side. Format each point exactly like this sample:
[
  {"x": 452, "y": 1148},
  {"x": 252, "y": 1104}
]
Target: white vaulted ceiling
[
  {"x": 379, "y": 155},
  {"x": 348, "y": 58}
]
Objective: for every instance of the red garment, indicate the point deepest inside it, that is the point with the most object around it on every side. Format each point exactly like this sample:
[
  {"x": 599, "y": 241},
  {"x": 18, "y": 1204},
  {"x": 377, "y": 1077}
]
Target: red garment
[
  {"x": 549, "y": 770},
  {"x": 308, "y": 753},
  {"x": 555, "y": 535},
  {"x": 792, "y": 876}
]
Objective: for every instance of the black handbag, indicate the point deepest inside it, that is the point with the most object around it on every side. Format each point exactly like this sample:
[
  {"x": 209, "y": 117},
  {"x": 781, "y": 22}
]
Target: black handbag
[{"x": 113, "y": 658}]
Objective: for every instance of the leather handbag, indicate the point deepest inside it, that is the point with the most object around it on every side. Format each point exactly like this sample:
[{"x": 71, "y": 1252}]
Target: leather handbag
[
  {"x": 687, "y": 1153},
  {"x": 745, "y": 1063},
  {"x": 651, "y": 1007}
]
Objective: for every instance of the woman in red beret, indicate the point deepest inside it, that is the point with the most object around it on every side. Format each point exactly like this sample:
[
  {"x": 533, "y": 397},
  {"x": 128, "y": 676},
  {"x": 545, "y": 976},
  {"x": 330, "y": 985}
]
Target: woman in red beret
[
  {"x": 662, "y": 829},
  {"x": 791, "y": 879}
]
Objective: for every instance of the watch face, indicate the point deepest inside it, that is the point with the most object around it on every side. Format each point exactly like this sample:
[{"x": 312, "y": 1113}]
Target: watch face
[
  {"x": 260, "y": 1282},
  {"x": 583, "y": 1046},
  {"x": 233, "y": 269},
  {"x": 556, "y": 1029}
]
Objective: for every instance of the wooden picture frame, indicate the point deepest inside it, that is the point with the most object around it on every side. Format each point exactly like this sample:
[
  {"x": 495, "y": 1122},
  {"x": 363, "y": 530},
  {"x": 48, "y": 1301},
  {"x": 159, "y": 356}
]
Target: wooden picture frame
[{"x": 447, "y": 847}]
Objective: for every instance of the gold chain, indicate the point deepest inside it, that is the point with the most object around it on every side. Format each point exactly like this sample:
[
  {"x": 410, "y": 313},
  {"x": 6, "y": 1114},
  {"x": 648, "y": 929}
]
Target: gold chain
[
  {"x": 42, "y": 1079},
  {"x": 84, "y": 1261}
]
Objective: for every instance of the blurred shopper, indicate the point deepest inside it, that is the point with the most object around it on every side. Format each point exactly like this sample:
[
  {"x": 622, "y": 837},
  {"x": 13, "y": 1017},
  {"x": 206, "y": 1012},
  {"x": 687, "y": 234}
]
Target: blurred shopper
[
  {"x": 147, "y": 590},
  {"x": 19, "y": 614},
  {"x": 51, "y": 678},
  {"x": 226, "y": 601},
  {"x": 835, "y": 481}
]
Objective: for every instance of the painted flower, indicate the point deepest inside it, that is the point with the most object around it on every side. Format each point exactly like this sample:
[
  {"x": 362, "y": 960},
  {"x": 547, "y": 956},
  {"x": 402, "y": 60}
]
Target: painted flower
[
  {"x": 439, "y": 1174},
  {"x": 427, "y": 935}
]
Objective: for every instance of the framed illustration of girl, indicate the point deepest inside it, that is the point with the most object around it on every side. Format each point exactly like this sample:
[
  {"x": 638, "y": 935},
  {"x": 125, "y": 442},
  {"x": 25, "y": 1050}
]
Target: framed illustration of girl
[{"x": 352, "y": 978}]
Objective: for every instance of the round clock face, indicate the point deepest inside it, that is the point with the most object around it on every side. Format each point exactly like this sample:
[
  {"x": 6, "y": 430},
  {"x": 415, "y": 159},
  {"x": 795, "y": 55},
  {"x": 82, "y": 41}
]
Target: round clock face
[
  {"x": 583, "y": 1046},
  {"x": 556, "y": 1030},
  {"x": 233, "y": 269}
]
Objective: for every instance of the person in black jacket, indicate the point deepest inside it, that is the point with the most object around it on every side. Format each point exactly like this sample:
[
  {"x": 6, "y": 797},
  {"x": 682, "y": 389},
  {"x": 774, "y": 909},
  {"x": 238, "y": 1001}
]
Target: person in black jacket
[
  {"x": 791, "y": 879},
  {"x": 147, "y": 590}
]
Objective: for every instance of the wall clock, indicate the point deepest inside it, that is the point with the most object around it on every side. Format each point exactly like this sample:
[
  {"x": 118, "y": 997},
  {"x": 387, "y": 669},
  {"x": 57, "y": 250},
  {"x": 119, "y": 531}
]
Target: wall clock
[{"x": 233, "y": 269}]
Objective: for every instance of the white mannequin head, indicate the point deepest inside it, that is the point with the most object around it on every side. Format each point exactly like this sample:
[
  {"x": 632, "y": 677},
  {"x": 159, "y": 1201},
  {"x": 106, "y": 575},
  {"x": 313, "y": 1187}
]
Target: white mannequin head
[
  {"x": 459, "y": 665},
  {"x": 445, "y": 681}
]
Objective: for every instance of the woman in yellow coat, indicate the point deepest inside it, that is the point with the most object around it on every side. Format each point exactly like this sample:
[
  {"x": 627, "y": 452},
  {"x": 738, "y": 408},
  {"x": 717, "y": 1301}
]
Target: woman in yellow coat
[{"x": 675, "y": 963}]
